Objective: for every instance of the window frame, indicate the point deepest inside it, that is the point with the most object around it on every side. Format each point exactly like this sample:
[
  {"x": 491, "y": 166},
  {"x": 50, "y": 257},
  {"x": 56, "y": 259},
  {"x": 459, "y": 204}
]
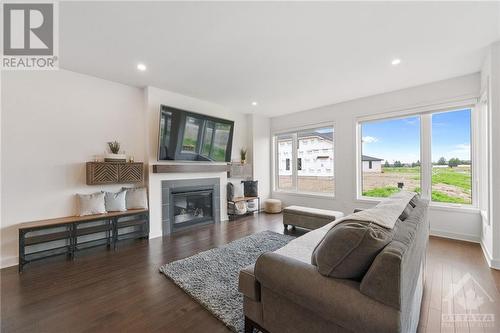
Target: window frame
[
  {"x": 425, "y": 115},
  {"x": 294, "y": 166},
  {"x": 484, "y": 187}
]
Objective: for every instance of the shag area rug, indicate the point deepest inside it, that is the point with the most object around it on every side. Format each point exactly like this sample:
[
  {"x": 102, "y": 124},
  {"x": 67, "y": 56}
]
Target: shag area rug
[{"x": 211, "y": 277}]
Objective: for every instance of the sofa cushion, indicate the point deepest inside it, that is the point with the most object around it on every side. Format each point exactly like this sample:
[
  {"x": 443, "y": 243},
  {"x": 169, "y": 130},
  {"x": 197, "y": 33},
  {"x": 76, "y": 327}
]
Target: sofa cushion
[
  {"x": 349, "y": 248},
  {"x": 392, "y": 277},
  {"x": 301, "y": 248},
  {"x": 336, "y": 301}
]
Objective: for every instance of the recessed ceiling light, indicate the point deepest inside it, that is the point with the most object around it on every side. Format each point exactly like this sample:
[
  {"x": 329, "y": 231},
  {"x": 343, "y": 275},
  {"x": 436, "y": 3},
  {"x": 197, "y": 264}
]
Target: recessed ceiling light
[
  {"x": 255, "y": 103},
  {"x": 141, "y": 67},
  {"x": 396, "y": 62}
]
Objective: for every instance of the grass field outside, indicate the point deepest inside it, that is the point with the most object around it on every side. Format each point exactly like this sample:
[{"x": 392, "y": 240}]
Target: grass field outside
[{"x": 451, "y": 185}]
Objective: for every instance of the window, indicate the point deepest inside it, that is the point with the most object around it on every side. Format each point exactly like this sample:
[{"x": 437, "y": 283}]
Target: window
[
  {"x": 451, "y": 157},
  {"x": 483, "y": 167},
  {"x": 314, "y": 174},
  {"x": 397, "y": 143},
  {"x": 392, "y": 149},
  {"x": 284, "y": 174}
]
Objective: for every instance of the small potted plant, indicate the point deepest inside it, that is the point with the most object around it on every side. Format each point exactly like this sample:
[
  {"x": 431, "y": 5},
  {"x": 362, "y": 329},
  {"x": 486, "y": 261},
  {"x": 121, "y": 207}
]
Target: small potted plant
[
  {"x": 243, "y": 155},
  {"x": 115, "y": 156}
]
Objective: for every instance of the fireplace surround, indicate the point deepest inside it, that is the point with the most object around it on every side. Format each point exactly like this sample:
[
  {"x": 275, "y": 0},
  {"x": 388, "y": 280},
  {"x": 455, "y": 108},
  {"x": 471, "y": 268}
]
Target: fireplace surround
[{"x": 189, "y": 202}]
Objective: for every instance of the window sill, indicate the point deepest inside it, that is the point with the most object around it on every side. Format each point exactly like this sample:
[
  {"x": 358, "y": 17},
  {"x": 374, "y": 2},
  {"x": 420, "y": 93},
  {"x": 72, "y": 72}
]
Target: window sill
[
  {"x": 454, "y": 208},
  {"x": 307, "y": 194},
  {"x": 433, "y": 206}
]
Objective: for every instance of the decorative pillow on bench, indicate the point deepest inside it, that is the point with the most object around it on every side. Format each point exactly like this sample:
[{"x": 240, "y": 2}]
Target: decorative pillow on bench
[
  {"x": 136, "y": 198},
  {"x": 349, "y": 248},
  {"x": 90, "y": 204},
  {"x": 115, "y": 202}
]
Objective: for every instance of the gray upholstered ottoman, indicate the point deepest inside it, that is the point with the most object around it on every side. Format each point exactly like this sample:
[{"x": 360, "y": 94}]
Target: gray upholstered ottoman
[{"x": 309, "y": 218}]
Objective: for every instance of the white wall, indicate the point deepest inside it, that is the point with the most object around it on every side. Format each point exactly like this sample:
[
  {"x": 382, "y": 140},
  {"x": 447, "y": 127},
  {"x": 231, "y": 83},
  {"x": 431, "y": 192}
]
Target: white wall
[
  {"x": 495, "y": 149},
  {"x": 260, "y": 147},
  {"x": 445, "y": 222},
  {"x": 490, "y": 83},
  {"x": 154, "y": 97},
  {"x": 52, "y": 123}
]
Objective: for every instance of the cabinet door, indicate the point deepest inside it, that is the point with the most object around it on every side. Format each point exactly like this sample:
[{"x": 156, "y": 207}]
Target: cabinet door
[
  {"x": 102, "y": 173},
  {"x": 130, "y": 173}
]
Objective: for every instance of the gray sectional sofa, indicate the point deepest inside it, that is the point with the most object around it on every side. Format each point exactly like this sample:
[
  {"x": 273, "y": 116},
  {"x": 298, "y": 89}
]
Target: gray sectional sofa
[{"x": 284, "y": 292}]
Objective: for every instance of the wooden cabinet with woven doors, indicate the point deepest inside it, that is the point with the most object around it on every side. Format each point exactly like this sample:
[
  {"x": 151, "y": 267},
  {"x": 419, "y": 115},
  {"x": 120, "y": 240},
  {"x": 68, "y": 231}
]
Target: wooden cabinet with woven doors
[{"x": 99, "y": 173}]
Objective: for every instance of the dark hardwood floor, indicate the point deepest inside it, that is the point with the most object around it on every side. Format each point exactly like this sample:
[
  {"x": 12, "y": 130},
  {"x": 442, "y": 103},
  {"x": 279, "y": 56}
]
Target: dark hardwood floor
[{"x": 122, "y": 291}]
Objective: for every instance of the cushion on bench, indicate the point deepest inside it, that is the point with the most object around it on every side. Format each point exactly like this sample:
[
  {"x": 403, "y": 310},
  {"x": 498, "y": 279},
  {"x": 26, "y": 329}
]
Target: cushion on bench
[
  {"x": 309, "y": 218},
  {"x": 315, "y": 212}
]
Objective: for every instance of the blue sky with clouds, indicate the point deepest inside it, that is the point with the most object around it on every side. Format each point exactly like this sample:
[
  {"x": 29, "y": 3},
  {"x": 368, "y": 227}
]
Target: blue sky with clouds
[{"x": 399, "y": 139}]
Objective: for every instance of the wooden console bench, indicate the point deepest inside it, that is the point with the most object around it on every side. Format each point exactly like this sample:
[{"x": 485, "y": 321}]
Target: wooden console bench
[{"x": 67, "y": 235}]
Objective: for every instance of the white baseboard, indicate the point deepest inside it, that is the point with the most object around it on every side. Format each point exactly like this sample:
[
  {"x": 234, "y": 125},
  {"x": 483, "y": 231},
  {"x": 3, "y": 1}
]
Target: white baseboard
[
  {"x": 9, "y": 262},
  {"x": 457, "y": 236},
  {"x": 493, "y": 263},
  {"x": 151, "y": 235}
]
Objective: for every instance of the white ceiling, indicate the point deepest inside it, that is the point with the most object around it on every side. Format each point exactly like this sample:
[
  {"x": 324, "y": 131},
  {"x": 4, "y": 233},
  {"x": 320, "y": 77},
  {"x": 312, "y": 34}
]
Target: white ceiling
[{"x": 288, "y": 56}]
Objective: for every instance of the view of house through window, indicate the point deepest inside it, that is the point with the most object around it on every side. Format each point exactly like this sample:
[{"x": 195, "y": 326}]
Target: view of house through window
[
  {"x": 451, "y": 157},
  {"x": 314, "y": 155},
  {"x": 284, "y": 144},
  {"x": 390, "y": 158}
]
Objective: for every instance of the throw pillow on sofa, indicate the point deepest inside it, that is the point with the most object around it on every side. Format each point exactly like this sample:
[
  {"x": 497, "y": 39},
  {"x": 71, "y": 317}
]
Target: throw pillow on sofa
[
  {"x": 349, "y": 248},
  {"x": 90, "y": 204},
  {"x": 115, "y": 202},
  {"x": 136, "y": 197}
]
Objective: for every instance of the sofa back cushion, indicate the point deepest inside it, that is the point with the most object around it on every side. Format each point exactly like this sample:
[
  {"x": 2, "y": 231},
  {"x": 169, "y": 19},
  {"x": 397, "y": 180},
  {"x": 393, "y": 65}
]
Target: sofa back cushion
[
  {"x": 349, "y": 248},
  {"x": 392, "y": 277}
]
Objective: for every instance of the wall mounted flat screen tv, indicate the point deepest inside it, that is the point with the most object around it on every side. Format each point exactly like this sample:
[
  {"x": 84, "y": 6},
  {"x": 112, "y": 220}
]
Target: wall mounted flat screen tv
[{"x": 190, "y": 136}]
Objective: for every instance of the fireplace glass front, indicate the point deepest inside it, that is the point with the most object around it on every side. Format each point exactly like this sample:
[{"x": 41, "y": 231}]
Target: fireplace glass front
[{"x": 192, "y": 207}]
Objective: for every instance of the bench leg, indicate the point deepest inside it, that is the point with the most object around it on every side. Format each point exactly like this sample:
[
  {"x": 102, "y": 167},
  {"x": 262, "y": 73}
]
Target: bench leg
[
  {"x": 21, "y": 251},
  {"x": 286, "y": 227}
]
